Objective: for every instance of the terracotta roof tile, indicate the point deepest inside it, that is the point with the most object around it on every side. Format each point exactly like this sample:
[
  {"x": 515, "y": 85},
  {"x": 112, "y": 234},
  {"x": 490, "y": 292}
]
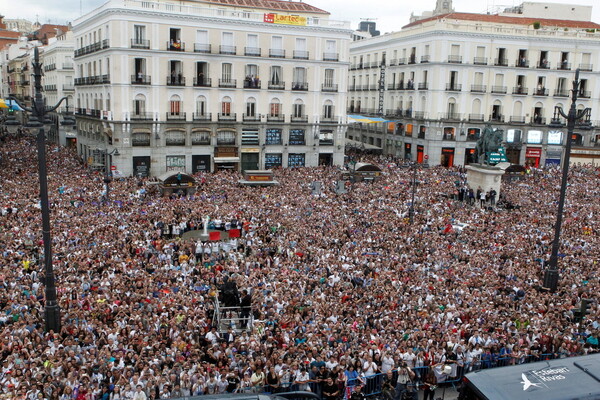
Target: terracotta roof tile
[
  {"x": 502, "y": 19},
  {"x": 274, "y": 5}
]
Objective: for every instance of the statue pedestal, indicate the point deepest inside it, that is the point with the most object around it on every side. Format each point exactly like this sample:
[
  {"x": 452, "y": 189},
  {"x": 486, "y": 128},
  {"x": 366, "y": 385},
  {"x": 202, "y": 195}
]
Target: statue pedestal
[{"x": 484, "y": 177}]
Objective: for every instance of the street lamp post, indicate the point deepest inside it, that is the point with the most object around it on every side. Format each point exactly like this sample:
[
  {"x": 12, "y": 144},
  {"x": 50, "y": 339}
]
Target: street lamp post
[
  {"x": 38, "y": 110},
  {"x": 551, "y": 274},
  {"x": 107, "y": 170}
]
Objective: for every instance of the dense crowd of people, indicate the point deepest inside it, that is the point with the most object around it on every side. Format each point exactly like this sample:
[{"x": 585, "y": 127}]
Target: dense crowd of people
[{"x": 341, "y": 287}]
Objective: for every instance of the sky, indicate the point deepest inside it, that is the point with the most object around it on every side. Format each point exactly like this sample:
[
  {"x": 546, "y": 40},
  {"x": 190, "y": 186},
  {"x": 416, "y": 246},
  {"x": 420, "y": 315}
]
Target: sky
[{"x": 390, "y": 15}]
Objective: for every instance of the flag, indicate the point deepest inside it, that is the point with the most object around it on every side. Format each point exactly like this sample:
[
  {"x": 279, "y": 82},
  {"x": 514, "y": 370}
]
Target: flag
[
  {"x": 234, "y": 233},
  {"x": 214, "y": 235}
]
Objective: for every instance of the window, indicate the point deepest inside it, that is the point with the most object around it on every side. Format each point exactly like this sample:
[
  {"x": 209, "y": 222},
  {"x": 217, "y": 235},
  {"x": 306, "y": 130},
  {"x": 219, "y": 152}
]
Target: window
[
  {"x": 296, "y": 160},
  {"x": 555, "y": 137},
  {"x": 534, "y": 137},
  {"x": 273, "y": 136},
  {"x": 449, "y": 133},
  {"x": 226, "y": 72},
  {"x": 272, "y": 160},
  {"x": 226, "y": 106},
  {"x": 473, "y": 133},
  {"x": 227, "y": 39},
  {"x": 513, "y": 136},
  {"x": 201, "y": 105},
  {"x": 200, "y": 138},
  {"x": 140, "y": 139},
  {"x": 250, "y": 137},
  {"x": 139, "y": 105},
  {"x": 251, "y": 107},
  {"x": 275, "y": 78},
  {"x": 328, "y": 81},
  {"x": 175, "y": 138},
  {"x": 300, "y": 75},
  {"x": 328, "y": 110},
  {"x": 298, "y": 109},
  {"x": 175, "y": 105},
  {"x": 139, "y": 64},
  {"x": 226, "y": 137},
  {"x": 297, "y": 137},
  {"x": 139, "y": 34},
  {"x": 326, "y": 138},
  {"x": 275, "y": 108}
]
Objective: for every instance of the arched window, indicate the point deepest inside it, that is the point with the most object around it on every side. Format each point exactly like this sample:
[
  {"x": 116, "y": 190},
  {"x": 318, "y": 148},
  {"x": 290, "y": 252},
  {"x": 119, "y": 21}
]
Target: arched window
[
  {"x": 251, "y": 107},
  {"x": 200, "y": 138},
  {"x": 200, "y": 107},
  {"x": 175, "y": 138},
  {"x": 328, "y": 110},
  {"x": 226, "y": 138},
  {"x": 298, "y": 110},
  {"x": 139, "y": 106},
  {"x": 175, "y": 106}
]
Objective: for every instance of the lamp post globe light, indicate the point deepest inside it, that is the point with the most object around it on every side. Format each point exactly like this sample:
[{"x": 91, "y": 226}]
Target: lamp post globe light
[
  {"x": 551, "y": 274},
  {"x": 12, "y": 124},
  {"x": 38, "y": 111}
]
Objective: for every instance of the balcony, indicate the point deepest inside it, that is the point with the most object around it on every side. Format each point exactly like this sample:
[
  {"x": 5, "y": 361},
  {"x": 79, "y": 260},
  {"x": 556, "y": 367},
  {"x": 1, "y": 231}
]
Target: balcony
[
  {"x": 454, "y": 59},
  {"x": 585, "y": 94},
  {"x": 50, "y": 88},
  {"x": 407, "y": 114},
  {"x": 586, "y": 67},
  {"x": 420, "y": 115},
  {"x": 300, "y": 86},
  {"x": 176, "y": 116},
  {"x": 540, "y": 92},
  {"x": 251, "y": 117},
  {"x": 402, "y": 61},
  {"x": 410, "y": 86},
  {"x": 228, "y": 83},
  {"x": 392, "y": 86},
  {"x": 331, "y": 57},
  {"x": 141, "y": 116},
  {"x": 299, "y": 118},
  {"x": 24, "y": 83},
  {"x": 141, "y": 79},
  {"x": 227, "y": 117},
  {"x": 329, "y": 87},
  {"x": 68, "y": 88},
  {"x": 425, "y": 59},
  {"x": 300, "y": 54},
  {"x": 501, "y": 62},
  {"x": 175, "y": 80},
  {"x": 499, "y": 89},
  {"x": 515, "y": 119},
  {"x": 496, "y": 118},
  {"x": 543, "y": 64},
  {"x": 202, "y": 82},
  {"x": 202, "y": 48},
  {"x": 451, "y": 116},
  {"x": 480, "y": 60},
  {"x": 522, "y": 63},
  {"x": 67, "y": 66},
  {"x": 423, "y": 86},
  {"x": 476, "y": 117},
  {"x": 104, "y": 44},
  {"x": 49, "y": 67},
  {"x": 275, "y": 118},
  {"x": 453, "y": 87},
  {"x": 553, "y": 121},
  {"x": 564, "y": 66},
  {"x": 252, "y": 51},
  {"x": 412, "y": 59},
  {"x": 393, "y": 61},
  {"x": 140, "y": 44},
  {"x": 519, "y": 90},
  {"x": 176, "y": 46},
  {"x": 226, "y": 49},
  {"x": 276, "y": 85},
  {"x": 250, "y": 83},
  {"x": 478, "y": 88},
  {"x": 561, "y": 93},
  {"x": 537, "y": 120},
  {"x": 202, "y": 116},
  {"x": 277, "y": 53}
]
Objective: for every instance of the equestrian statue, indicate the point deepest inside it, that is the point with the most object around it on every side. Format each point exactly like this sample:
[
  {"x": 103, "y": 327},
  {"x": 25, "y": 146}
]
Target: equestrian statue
[{"x": 489, "y": 142}]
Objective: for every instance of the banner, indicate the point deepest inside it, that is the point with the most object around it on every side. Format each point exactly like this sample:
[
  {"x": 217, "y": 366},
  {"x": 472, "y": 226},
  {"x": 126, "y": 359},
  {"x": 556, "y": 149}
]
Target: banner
[{"x": 273, "y": 18}]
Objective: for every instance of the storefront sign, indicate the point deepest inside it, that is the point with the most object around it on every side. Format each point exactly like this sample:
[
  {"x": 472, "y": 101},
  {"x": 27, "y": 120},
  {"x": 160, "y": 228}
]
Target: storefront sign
[
  {"x": 175, "y": 163},
  {"x": 201, "y": 163},
  {"x": 534, "y": 152},
  {"x": 273, "y": 18},
  {"x": 141, "y": 166}
]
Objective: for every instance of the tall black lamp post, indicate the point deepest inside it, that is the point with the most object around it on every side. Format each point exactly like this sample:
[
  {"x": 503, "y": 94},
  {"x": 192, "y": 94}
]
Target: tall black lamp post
[
  {"x": 38, "y": 110},
  {"x": 107, "y": 170},
  {"x": 551, "y": 274}
]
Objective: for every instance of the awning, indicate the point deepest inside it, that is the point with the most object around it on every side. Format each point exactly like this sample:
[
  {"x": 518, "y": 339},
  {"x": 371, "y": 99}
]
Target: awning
[
  {"x": 10, "y": 104},
  {"x": 221, "y": 160},
  {"x": 354, "y": 119},
  {"x": 361, "y": 145}
]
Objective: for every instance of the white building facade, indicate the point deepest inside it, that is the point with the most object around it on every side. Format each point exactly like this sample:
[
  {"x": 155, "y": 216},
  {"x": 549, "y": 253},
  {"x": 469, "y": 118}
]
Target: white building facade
[
  {"x": 447, "y": 77},
  {"x": 201, "y": 86}
]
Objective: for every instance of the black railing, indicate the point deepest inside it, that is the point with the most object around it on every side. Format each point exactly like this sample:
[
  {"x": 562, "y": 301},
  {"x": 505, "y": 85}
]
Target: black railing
[
  {"x": 331, "y": 57},
  {"x": 301, "y": 54},
  {"x": 226, "y": 49},
  {"x": 586, "y": 67},
  {"x": 453, "y": 87},
  {"x": 176, "y": 80},
  {"x": 227, "y": 83},
  {"x": 202, "y": 82},
  {"x": 299, "y": 118},
  {"x": 276, "y": 85},
  {"x": 423, "y": 86},
  {"x": 451, "y": 116},
  {"x": 275, "y": 118},
  {"x": 540, "y": 92},
  {"x": 478, "y": 88},
  {"x": 140, "y": 44},
  {"x": 561, "y": 93},
  {"x": 544, "y": 64},
  {"x": 175, "y": 46},
  {"x": 425, "y": 59},
  {"x": 454, "y": 59},
  {"x": 67, "y": 66},
  {"x": 499, "y": 89},
  {"x": 537, "y": 120},
  {"x": 252, "y": 51},
  {"x": 202, "y": 116},
  {"x": 501, "y": 62},
  {"x": 476, "y": 117},
  {"x": 231, "y": 117},
  {"x": 564, "y": 65},
  {"x": 251, "y": 117},
  {"x": 175, "y": 116},
  {"x": 252, "y": 83},
  {"x": 300, "y": 86},
  {"x": 522, "y": 63},
  {"x": 68, "y": 88},
  {"x": 496, "y": 118},
  {"x": 515, "y": 119},
  {"x": 202, "y": 48},
  {"x": 141, "y": 79},
  {"x": 329, "y": 87},
  {"x": 480, "y": 60},
  {"x": 277, "y": 53},
  {"x": 141, "y": 116},
  {"x": 519, "y": 90}
]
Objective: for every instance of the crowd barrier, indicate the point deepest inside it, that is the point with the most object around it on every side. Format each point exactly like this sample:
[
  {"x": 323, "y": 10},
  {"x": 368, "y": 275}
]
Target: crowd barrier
[{"x": 372, "y": 385}]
